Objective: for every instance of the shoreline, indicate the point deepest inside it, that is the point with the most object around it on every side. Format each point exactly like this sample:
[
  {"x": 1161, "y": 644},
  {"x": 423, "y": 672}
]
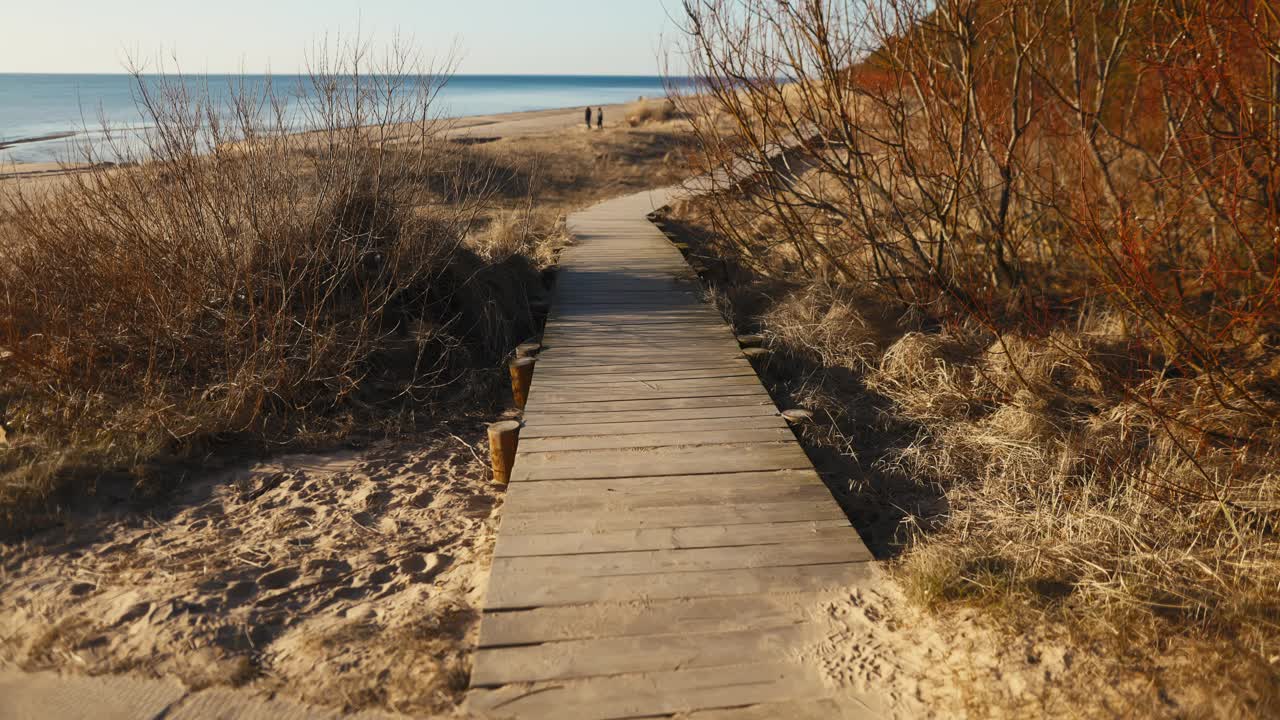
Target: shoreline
[
  {"x": 499, "y": 125},
  {"x": 6, "y": 144}
]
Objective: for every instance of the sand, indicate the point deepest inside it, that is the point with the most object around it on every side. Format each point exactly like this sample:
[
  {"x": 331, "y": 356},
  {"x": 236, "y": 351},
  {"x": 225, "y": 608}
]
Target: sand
[
  {"x": 917, "y": 664},
  {"x": 346, "y": 579},
  {"x": 472, "y": 128}
]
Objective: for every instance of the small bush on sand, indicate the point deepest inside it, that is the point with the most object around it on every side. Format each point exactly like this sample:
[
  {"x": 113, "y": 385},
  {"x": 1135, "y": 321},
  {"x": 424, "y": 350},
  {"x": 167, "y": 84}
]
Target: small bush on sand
[
  {"x": 529, "y": 232},
  {"x": 237, "y": 280},
  {"x": 647, "y": 112}
]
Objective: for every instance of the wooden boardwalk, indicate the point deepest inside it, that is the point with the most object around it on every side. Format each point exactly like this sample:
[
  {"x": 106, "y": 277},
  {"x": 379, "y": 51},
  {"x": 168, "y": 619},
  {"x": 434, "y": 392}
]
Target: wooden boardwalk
[{"x": 665, "y": 545}]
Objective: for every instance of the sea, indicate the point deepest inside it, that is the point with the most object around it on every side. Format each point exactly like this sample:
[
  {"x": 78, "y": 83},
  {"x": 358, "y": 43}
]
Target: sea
[{"x": 69, "y": 108}]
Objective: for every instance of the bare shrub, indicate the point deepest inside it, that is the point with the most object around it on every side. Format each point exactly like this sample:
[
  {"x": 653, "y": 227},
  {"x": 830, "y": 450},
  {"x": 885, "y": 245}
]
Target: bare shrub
[{"x": 231, "y": 278}]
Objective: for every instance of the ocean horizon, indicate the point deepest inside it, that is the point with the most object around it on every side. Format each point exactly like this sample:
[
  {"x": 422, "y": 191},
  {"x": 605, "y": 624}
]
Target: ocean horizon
[{"x": 38, "y": 105}]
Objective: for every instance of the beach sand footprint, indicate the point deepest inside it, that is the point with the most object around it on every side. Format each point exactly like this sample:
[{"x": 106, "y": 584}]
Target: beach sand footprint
[
  {"x": 279, "y": 579},
  {"x": 241, "y": 592}
]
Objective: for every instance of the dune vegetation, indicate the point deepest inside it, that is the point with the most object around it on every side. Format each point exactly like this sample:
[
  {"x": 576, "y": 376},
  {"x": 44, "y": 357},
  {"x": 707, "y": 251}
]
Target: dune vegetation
[
  {"x": 226, "y": 282},
  {"x": 1021, "y": 259},
  {"x": 244, "y": 283},
  {"x": 246, "y": 372}
]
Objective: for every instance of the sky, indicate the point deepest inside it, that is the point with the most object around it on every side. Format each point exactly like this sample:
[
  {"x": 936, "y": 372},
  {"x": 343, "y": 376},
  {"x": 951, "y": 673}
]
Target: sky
[{"x": 577, "y": 37}]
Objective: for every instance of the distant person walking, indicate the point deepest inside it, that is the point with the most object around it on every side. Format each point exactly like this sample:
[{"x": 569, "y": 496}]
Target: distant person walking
[
  {"x": 588, "y": 118},
  {"x": 599, "y": 119}
]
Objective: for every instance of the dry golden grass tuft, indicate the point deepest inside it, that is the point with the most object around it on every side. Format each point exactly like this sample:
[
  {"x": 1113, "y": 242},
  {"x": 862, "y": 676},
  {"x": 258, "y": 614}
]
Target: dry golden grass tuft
[
  {"x": 648, "y": 112},
  {"x": 533, "y": 232}
]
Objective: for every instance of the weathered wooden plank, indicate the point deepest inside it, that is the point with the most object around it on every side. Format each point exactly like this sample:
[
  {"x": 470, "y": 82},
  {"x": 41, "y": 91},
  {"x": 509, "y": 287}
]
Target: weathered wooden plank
[
  {"x": 571, "y": 416},
  {"x": 587, "y": 379},
  {"x": 545, "y": 568},
  {"x": 669, "y": 289},
  {"x": 622, "y": 330},
  {"x": 637, "y": 305},
  {"x": 568, "y": 521},
  {"x": 648, "y": 280},
  {"x": 553, "y": 370},
  {"x": 574, "y": 659},
  {"x": 835, "y": 530},
  {"x": 719, "y": 401},
  {"x": 705, "y": 483},
  {"x": 602, "y": 312},
  {"x": 551, "y": 366},
  {"x": 617, "y": 498},
  {"x": 540, "y": 397},
  {"x": 592, "y": 383},
  {"x": 569, "y": 465},
  {"x": 510, "y": 592},
  {"x": 852, "y": 705},
  {"x": 604, "y": 348},
  {"x": 541, "y": 430},
  {"x": 667, "y": 439},
  {"x": 650, "y": 617},
  {"x": 599, "y": 341},
  {"x": 651, "y": 342},
  {"x": 677, "y": 338},
  {"x": 647, "y": 695},
  {"x": 605, "y": 354},
  {"x": 710, "y": 320},
  {"x": 585, "y": 489},
  {"x": 636, "y": 327}
]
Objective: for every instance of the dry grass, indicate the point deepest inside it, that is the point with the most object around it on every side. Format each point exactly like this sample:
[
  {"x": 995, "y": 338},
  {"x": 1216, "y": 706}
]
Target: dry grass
[
  {"x": 1043, "y": 477},
  {"x": 649, "y": 112},
  {"x": 246, "y": 284},
  {"x": 574, "y": 169},
  {"x": 250, "y": 288},
  {"x": 528, "y": 232},
  {"x": 1041, "y": 325}
]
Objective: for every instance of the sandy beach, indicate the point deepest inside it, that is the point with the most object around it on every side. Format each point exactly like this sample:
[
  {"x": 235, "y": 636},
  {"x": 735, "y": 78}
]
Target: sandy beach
[{"x": 473, "y": 128}]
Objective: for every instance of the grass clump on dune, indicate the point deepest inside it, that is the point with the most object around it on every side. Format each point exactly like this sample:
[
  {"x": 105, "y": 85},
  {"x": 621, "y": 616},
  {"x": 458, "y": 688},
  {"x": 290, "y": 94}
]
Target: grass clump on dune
[{"x": 649, "y": 112}]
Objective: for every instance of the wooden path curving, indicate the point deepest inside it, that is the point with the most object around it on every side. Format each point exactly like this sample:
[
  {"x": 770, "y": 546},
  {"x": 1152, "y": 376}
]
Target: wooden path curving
[{"x": 665, "y": 545}]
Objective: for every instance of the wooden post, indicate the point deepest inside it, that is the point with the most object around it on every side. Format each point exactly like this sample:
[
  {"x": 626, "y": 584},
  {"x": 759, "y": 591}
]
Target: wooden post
[
  {"x": 751, "y": 341},
  {"x": 521, "y": 375},
  {"x": 503, "y": 438},
  {"x": 528, "y": 349}
]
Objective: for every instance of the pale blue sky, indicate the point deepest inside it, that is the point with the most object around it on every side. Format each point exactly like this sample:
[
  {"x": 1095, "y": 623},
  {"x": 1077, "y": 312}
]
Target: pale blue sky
[{"x": 584, "y": 37}]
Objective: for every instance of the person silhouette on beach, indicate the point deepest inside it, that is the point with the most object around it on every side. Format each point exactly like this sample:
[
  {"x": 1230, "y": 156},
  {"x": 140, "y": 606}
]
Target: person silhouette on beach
[
  {"x": 599, "y": 119},
  {"x": 588, "y": 118}
]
